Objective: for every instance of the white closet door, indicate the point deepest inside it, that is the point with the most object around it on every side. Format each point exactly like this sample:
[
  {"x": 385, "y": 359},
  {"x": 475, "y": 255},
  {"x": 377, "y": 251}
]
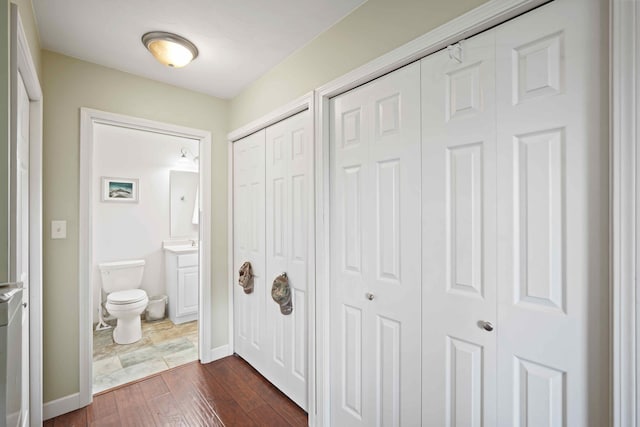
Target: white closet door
[
  {"x": 249, "y": 245},
  {"x": 22, "y": 233},
  {"x": 375, "y": 249},
  {"x": 553, "y": 217},
  {"x": 289, "y": 191},
  {"x": 459, "y": 236}
]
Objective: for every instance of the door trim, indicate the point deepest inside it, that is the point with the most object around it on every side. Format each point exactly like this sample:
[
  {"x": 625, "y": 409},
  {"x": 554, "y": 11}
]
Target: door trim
[
  {"x": 625, "y": 215},
  {"x": 305, "y": 102},
  {"x": 88, "y": 118},
  {"x": 21, "y": 62},
  {"x": 488, "y": 15}
]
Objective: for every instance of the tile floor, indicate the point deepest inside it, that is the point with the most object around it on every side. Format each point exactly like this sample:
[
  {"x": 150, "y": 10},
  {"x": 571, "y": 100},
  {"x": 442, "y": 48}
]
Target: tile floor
[{"x": 163, "y": 346}]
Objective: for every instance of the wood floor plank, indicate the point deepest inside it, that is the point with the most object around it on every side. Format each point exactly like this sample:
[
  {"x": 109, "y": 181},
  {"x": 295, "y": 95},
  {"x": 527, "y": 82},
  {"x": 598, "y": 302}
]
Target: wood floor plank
[
  {"x": 231, "y": 414},
  {"x": 76, "y": 418},
  {"x": 264, "y": 415},
  {"x": 166, "y": 411},
  {"x": 284, "y": 406},
  {"x": 194, "y": 398},
  {"x": 112, "y": 420},
  {"x": 153, "y": 387},
  {"x": 132, "y": 407},
  {"x": 227, "y": 392},
  {"x": 103, "y": 406},
  {"x": 241, "y": 392},
  {"x": 207, "y": 385}
]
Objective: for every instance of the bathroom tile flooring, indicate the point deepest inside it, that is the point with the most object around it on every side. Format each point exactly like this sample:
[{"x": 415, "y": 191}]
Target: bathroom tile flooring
[{"x": 163, "y": 346}]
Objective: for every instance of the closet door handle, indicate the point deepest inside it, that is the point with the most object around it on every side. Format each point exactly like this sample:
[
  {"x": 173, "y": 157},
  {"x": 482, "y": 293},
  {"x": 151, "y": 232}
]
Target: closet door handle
[
  {"x": 369, "y": 296},
  {"x": 487, "y": 326}
]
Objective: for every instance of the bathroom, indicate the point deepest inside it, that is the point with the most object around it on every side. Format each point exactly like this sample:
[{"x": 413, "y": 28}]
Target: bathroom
[{"x": 144, "y": 244}]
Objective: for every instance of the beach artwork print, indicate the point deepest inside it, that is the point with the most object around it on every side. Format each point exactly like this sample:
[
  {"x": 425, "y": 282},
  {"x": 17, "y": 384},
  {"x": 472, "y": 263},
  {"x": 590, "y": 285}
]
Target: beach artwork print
[{"x": 119, "y": 190}]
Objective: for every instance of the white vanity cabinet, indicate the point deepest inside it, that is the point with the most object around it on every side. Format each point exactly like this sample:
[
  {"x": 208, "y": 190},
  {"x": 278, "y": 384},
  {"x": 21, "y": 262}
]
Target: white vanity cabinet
[{"x": 182, "y": 283}]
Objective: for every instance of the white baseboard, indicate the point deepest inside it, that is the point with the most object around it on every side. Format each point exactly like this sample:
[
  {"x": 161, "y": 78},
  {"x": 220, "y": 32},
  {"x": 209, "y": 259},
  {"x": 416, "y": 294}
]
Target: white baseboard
[
  {"x": 61, "y": 406},
  {"x": 218, "y": 353}
]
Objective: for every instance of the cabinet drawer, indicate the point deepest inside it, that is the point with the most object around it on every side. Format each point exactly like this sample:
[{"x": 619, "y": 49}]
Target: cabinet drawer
[{"x": 187, "y": 260}]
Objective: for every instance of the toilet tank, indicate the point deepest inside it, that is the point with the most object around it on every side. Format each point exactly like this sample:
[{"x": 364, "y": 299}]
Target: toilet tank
[{"x": 121, "y": 275}]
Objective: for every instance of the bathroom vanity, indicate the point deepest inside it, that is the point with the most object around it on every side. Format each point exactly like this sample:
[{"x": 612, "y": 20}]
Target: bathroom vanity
[{"x": 181, "y": 263}]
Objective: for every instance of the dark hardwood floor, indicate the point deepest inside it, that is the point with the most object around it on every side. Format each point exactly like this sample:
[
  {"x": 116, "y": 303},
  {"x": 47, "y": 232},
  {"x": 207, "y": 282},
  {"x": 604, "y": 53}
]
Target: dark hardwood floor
[{"x": 226, "y": 392}]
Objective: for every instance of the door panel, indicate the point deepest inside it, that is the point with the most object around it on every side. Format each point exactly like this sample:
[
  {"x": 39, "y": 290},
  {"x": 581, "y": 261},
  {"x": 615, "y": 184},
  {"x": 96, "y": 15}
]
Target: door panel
[
  {"x": 289, "y": 188},
  {"x": 459, "y": 242},
  {"x": 249, "y": 245},
  {"x": 187, "y": 291},
  {"x": 22, "y": 232},
  {"x": 552, "y": 217},
  {"x": 526, "y": 148},
  {"x": 375, "y": 286}
]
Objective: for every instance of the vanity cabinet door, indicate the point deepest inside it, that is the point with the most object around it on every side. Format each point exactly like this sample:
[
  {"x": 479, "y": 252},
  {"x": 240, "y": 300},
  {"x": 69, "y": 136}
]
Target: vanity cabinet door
[{"x": 187, "y": 291}]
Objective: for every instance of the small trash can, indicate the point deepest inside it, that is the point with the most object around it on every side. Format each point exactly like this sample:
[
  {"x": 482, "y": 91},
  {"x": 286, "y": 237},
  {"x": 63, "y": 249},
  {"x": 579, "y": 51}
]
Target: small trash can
[{"x": 157, "y": 308}]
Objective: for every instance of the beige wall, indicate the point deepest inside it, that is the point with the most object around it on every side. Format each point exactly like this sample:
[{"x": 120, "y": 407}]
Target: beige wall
[
  {"x": 68, "y": 85},
  {"x": 373, "y": 29}
]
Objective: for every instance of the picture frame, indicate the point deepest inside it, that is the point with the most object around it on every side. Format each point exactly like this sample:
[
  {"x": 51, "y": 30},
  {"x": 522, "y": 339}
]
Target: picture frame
[{"x": 120, "y": 190}]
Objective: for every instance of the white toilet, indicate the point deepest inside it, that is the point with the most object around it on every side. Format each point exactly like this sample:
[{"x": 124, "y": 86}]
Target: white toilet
[{"x": 125, "y": 301}]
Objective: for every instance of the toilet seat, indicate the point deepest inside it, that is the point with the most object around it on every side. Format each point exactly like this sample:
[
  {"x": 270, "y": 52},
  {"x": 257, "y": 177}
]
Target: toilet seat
[{"x": 129, "y": 296}]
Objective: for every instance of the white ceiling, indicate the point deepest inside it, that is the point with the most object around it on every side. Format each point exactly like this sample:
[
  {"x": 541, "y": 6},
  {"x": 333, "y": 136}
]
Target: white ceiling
[{"x": 238, "y": 40}]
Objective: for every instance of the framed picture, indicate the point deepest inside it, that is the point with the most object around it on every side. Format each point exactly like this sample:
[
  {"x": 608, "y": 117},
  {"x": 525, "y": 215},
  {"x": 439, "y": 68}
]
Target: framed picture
[{"x": 120, "y": 190}]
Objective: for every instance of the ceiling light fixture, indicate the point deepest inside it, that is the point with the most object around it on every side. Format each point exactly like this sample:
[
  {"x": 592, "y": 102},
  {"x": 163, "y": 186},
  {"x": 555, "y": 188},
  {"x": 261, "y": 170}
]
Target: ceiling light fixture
[{"x": 170, "y": 49}]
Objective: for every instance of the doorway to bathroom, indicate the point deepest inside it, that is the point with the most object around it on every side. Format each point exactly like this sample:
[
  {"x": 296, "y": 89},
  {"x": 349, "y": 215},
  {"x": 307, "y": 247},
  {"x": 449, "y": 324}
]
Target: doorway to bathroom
[{"x": 145, "y": 196}]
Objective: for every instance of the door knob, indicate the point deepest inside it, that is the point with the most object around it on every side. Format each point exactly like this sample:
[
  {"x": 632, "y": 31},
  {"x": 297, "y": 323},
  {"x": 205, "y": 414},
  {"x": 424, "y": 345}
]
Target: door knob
[
  {"x": 369, "y": 296},
  {"x": 487, "y": 326}
]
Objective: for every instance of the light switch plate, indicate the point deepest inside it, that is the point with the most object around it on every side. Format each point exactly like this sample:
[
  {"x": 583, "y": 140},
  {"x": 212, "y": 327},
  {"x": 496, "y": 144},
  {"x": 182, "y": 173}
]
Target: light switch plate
[{"x": 58, "y": 229}]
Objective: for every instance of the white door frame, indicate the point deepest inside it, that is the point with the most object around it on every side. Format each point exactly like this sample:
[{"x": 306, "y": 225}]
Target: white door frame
[
  {"x": 625, "y": 191},
  {"x": 303, "y": 103},
  {"x": 21, "y": 62},
  {"x": 625, "y": 215},
  {"x": 88, "y": 119}
]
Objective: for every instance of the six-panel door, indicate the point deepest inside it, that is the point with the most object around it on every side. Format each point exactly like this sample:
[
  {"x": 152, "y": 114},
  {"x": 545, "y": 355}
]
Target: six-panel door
[
  {"x": 289, "y": 193},
  {"x": 553, "y": 259},
  {"x": 249, "y": 245},
  {"x": 375, "y": 252},
  {"x": 459, "y": 235}
]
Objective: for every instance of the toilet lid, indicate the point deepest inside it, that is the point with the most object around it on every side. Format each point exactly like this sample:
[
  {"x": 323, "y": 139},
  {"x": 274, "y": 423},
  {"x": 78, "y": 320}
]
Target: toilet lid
[{"x": 126, "y": 297}]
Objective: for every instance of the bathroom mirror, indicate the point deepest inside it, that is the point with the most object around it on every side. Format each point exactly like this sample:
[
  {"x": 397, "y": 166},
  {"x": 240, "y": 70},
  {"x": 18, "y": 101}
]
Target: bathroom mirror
[{"x": 183, "y": 189}]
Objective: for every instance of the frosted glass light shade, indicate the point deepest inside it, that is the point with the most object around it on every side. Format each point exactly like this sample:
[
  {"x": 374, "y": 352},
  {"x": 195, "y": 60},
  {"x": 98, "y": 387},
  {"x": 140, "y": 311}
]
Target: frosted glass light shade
[{"x": 170, "y": 49}]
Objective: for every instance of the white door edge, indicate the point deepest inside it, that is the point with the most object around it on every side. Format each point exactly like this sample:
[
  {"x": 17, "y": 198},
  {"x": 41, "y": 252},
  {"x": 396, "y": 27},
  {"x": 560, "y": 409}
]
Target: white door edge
[
  {"x": 305, "y": 102},
  {"x": 22, "y": 62},
  {"x": 625, "y": 216},
  {"x": 89, "y": 118}
]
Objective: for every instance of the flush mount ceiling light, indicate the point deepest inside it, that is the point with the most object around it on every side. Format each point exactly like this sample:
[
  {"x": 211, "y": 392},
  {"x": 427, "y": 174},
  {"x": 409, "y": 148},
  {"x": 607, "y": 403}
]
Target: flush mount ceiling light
[{"x": 170, "y": 49}]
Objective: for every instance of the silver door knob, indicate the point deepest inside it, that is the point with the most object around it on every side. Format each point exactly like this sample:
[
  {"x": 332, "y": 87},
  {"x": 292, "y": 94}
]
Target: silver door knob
[
  {"x": 369, "y": 296},
  {"x": 487, "y": 326}
]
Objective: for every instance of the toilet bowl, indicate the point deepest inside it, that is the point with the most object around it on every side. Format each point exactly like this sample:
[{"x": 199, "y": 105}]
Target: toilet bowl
[
  {"x": 126, "y": 307},
  {"x": 125, "y": 301}
]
